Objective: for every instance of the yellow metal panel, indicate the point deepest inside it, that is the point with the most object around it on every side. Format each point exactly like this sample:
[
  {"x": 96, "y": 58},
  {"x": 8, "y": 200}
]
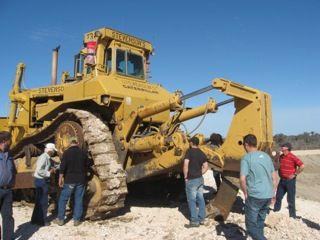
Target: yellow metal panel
[
  {"x": 3, "y": 124},
  {"x": 118, "y": 36}
]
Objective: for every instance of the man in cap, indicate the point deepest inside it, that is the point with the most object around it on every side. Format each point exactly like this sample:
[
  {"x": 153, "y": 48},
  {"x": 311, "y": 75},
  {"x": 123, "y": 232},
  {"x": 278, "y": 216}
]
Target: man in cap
[
  {"x": 7, "y": 179},
  {"x": 41, "y": 182},
  {"x": 72, "y": 179},
  {"x": 290, "y": 167}
]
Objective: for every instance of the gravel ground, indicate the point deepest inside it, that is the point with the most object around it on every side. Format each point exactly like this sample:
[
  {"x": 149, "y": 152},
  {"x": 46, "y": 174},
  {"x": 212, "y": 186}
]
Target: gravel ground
[
  {"x": 166, "y": 220},
  {"x": 163, "y": 219}
]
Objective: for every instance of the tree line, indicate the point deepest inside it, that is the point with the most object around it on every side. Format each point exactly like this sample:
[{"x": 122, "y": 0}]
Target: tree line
[{"x": 304, "y": 141}]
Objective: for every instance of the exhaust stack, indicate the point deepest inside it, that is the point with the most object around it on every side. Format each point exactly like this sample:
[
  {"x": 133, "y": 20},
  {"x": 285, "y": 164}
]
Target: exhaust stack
[
  {"x": 54, "y": 68},
  {"x": 15, "y": 90}
]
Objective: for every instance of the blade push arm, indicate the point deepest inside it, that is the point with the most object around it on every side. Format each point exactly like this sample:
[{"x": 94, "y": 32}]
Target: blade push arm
[{"x": 252, "y": 115}]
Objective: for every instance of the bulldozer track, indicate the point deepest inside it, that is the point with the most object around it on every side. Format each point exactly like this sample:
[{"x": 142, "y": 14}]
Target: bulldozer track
[{"x": 112, "y": 177}]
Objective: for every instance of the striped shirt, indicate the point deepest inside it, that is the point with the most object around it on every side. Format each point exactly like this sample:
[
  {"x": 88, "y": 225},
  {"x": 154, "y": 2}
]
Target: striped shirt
[{"x": 288, "y": 165}]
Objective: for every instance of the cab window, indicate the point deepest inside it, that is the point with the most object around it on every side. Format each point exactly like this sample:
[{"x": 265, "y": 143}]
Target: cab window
[
  {"x": 78, "y": 65},
  {"x": 108, "y": 59},
  {"x": 135, "y": 65},
  {"x": 121, "y": 62},
  {"x": 129, "y": 64}
]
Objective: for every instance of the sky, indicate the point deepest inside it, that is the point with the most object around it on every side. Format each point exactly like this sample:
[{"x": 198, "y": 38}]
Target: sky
[{"x": 273, "y": 46}]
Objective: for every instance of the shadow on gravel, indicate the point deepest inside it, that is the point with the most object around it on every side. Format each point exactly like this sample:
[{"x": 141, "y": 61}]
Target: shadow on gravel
[
  {"x": 231, "y": 231},
  {"x": 26, "y": 230},
  {"x": 238, "y": 206},
  {"x": 311, "y": 224}
]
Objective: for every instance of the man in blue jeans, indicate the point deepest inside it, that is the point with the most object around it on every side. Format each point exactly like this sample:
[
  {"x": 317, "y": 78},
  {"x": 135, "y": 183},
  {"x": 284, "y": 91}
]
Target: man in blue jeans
[
  {"x": 290, "y": 167},
  {"x": 7, "y": 180},
  {"x": 194, "y": 166},
  {"x": 41, "y": 182},
  {"x": 72, "y": 178},
  {"x": 258, "y": 182}
]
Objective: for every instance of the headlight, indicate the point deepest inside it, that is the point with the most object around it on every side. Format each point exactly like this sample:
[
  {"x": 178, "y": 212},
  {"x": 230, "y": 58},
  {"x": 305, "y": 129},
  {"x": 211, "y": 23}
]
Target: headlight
[{"x": 105, "y": 100}]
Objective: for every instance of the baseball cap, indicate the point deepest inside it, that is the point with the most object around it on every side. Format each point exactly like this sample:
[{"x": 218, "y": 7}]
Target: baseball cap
[
  {"x": 51, "y": 146},
  {"x": 287, "y": 145}
]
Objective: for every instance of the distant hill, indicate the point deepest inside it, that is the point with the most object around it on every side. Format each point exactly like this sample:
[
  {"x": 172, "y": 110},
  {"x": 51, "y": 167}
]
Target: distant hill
[{"x": 305, "y": 141}]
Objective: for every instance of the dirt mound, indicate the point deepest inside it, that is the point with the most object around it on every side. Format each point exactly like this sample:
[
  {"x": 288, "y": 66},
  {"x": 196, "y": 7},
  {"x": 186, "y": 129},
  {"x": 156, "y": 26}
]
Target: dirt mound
[{"x": 308, "y": 182}]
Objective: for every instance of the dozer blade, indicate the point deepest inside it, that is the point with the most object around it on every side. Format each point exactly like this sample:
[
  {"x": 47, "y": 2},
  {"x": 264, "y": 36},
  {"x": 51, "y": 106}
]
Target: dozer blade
[{"x": 220, "y": 207}]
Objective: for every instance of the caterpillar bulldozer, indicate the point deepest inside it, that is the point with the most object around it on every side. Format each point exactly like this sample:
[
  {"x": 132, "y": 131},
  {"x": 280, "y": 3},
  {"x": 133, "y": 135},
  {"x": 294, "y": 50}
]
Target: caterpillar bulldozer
[{"x": 130, "y": 127}]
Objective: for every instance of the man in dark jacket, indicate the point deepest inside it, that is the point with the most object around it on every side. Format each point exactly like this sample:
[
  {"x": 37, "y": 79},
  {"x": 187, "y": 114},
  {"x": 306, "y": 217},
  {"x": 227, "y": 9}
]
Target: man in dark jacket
[
  {"x": 7, "y": 179},
  {"x": 72, "y": 178}
]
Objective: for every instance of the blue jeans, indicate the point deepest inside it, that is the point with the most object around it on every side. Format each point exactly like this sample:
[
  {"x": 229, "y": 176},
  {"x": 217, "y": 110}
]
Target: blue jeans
[
  {"x": 40, "y": 210},
  {"x": 194, "y": 191},
  {"x": 255, "y": 214},
  {"x": 289, "y": 187},
  {"x": 6, "y": 214},
  {"x": 67, "y": 191}
]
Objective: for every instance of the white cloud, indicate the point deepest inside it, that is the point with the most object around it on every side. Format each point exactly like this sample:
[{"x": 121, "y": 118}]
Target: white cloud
[{"x": 42, "y": 34}]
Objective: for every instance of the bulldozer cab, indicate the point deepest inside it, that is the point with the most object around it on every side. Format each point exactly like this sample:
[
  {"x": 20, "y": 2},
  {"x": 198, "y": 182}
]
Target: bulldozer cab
[{"x": 107, "y": 51}]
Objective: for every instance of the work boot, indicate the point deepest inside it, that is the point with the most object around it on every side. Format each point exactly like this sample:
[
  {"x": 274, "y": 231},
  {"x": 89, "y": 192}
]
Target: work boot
[
  {"x": 59, "y": 222},
  {"x": 76, "y": 223},
  {"x": 204, "y": 222},
  {"x": 192, "y": 225},
  {"x": 46, "y": 224}
]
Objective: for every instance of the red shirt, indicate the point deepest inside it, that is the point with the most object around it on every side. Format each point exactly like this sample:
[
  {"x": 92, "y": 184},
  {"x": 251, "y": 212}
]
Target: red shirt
[{"x": 288, "y": 165}]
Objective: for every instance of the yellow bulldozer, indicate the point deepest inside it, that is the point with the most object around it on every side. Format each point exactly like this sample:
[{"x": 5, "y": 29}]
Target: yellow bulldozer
[{"x": 131, "y": 128}]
